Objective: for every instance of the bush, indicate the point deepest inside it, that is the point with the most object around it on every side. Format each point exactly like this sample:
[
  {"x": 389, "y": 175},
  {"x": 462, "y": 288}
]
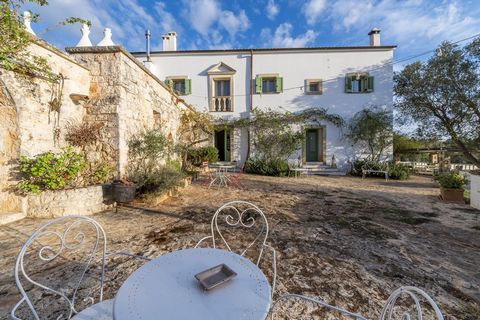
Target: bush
[
  {"x": 50, "y": 171},
  {"x": 398, "y": 172},
  {"x": 451, "y": 180},
  {"x": 195, "y": 156},
  {"x": 157, "y": 180},
  {"x": 276, "y": 167}
]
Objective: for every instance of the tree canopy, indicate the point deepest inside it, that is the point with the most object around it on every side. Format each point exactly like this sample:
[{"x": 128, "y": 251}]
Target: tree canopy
[
  {"x": 441, "y": 96},
  {"x": 372, "y": 130}
]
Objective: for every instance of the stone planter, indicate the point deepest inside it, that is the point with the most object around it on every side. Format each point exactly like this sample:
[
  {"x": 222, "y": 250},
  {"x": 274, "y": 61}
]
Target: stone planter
[
  {"x": 475, "y": 191},
  {"x": 452, "y": 195},
  {"x": 78, "y": 201},
  {"x": 123, "y": 193}
]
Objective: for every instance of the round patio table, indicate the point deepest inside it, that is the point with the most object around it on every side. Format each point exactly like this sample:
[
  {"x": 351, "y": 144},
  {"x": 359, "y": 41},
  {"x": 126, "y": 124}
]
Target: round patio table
[{"x": 165, "y": 288}]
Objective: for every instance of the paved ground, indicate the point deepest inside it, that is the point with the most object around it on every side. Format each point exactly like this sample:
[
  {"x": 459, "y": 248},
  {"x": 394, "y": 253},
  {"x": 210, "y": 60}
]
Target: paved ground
[{"x": 345, "y": 240}]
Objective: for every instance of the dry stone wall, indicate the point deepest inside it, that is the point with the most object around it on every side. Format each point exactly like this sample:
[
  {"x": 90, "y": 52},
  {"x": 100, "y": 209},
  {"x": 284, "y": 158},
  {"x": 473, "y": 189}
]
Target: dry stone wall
[
  {"x": 128, "y": 98},
  {"x": 115, "y": 90},
  {"x": 27, "y": 124}
]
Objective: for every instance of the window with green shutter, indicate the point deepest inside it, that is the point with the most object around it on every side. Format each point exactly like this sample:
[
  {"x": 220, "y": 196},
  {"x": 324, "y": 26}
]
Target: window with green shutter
[
  {"x": 180, "y": 85},
  {"x": 358, "y": 83},
  {"x": 258, "y": 84},
  {"x": 278, "y": 84}
]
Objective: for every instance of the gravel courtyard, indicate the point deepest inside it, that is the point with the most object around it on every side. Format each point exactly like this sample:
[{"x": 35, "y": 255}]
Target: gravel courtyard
[{"x": 347, "y": 241}]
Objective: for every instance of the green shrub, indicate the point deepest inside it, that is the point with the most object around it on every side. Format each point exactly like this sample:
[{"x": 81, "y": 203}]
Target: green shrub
[
  {"x": 50, "y": 171},
  {"x": 398, "y": 172},
  {"x": 157, "y": 180},
  {"x": 451, "y": 180},
  {"x": 195, "y": 156},
  {"x": 276, "y": 167}
]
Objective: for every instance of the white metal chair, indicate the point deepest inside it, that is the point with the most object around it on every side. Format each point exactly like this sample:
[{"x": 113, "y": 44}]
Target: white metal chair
[
  {"x": 247, "y": 216},
  {"x": 75, "y": 241},
  {"x": 390, "y": 311}
]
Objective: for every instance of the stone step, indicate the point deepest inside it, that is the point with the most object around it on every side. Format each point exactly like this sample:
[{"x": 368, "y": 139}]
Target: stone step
[
  {"x": 8, "y": 217},
  {"x": 331, "y": 172}
]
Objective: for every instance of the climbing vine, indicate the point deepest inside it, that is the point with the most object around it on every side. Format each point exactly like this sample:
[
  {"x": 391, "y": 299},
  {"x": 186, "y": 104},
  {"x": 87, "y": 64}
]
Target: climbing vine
[{"x": 14, "y": 41}]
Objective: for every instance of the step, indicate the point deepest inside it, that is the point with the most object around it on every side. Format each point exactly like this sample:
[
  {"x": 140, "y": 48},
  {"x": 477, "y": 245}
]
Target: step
[
  {"x": 333, "y": 172},
  {"x": 9, "y": 217}
]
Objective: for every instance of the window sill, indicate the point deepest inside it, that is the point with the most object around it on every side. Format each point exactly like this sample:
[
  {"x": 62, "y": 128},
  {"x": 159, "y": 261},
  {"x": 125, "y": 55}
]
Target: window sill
[
  {"x": 314, "y": 93},
  {"x": 269, "y": 93},
  {"x": 359, "y": 92}
]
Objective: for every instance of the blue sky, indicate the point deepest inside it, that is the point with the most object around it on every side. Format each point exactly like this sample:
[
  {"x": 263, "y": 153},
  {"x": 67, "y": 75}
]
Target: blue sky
[{"x": 413, "y": 25}]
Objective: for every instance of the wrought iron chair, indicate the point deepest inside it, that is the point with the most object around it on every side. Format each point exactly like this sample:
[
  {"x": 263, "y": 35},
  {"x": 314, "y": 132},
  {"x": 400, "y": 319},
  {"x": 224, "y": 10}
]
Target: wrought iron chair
[
  {"x": 75, "y": 241},
  {"x": 390, "y": 311},
  {"x": 243, "y": 214}
]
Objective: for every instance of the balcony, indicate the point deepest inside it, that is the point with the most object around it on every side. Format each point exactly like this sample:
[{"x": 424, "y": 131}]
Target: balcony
[{"x": 221, "y": 104}]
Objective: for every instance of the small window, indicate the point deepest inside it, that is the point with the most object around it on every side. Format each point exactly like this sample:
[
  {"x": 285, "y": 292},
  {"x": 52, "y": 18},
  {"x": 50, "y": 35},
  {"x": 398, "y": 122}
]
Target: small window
[
  {"x": 268, "y": 84},
  {"x": 222, "y": 88},
  {"x": 181, "y": 86},
  {"x": 313, "y": 86},
  {"x": 358, "y": 83}
]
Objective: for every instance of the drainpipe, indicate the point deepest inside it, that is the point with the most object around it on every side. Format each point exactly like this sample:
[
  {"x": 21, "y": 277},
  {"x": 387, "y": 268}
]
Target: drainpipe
[{"x": 251, "y": 103}]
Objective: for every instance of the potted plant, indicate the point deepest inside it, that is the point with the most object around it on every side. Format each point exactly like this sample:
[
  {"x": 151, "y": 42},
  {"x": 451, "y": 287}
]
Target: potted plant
[
  {"x": 451, "y": 186},
  {"x": 124, "y": 190}
]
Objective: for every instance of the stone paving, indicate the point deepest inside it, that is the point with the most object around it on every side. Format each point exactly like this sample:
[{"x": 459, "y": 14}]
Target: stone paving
[{"x": 347, "y": 241}]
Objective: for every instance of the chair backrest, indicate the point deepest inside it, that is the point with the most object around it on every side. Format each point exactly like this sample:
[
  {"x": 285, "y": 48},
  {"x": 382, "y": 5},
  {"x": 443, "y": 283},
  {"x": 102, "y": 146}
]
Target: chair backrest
[
  {"x": 392, "y": 310},
  {"x": 283, "y": 300},
  {"x": 242, "y": 215},
  {"x": 65, "y": 248}
]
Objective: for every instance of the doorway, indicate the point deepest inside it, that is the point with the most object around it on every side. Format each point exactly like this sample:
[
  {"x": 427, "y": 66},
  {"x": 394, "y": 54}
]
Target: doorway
[
  {"x": 312, "y": 145},
  {"x": 222, "y": 141}
]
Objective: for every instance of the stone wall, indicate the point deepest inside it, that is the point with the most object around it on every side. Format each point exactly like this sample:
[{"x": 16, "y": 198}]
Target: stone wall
[
  {"x": 116, "y": 90},
  {"x": 27, "y": 124},
  {"x": 79, "y": 201},
  {"x": 128, "y": 98}
]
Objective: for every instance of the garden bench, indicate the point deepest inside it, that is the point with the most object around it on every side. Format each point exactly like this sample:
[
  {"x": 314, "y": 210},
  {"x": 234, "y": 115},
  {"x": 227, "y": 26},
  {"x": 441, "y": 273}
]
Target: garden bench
[{"x": 376, "y": 168}]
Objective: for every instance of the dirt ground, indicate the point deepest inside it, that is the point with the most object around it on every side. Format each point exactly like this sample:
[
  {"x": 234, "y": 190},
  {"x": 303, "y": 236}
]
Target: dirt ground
[{"x": 344, "y": 240}]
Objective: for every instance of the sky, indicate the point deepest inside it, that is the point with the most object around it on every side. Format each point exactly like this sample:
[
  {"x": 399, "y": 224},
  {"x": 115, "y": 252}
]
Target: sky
[{"x": 415, "y": 26}]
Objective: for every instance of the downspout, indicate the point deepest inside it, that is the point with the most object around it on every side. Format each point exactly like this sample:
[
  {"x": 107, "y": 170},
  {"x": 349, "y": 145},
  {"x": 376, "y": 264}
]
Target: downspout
[{"x": 251, "y": 103}]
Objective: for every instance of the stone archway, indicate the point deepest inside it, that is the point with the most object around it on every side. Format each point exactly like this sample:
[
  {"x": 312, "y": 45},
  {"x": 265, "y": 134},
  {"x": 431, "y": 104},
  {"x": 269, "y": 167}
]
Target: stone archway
[{"x": 10, "y": 203}]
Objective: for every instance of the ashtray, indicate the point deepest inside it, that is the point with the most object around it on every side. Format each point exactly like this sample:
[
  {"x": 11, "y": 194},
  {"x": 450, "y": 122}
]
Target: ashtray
[{"x": 215, "y": 276}]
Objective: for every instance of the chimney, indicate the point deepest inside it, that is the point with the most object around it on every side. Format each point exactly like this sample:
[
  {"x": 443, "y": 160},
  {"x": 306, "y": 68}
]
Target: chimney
[
  {"x": 173, "y": 40},
  {"x": 170, "y": 41},
  {"x": 166, "y": 43},
  {"x": 374, "y": 37},
  {"x": 147, "y": 38}
]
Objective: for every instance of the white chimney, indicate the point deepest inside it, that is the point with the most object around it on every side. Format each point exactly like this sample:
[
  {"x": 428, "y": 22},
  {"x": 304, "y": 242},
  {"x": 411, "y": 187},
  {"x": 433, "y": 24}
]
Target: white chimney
[
  {"x": 374, "y": 37},
  {"x": 170, "y": 41},
  {"x": 166, "y": 43},
  {"x": 173, "y": 40},
  {"x": 27, "y": 20}
]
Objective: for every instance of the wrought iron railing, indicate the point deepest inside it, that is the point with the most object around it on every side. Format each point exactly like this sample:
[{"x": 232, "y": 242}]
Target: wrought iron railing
[{"x": 221, "y": 104}]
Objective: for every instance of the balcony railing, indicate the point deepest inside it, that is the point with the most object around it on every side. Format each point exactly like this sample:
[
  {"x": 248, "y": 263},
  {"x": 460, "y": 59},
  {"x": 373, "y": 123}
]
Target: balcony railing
[{"x": 221, "y": 104}]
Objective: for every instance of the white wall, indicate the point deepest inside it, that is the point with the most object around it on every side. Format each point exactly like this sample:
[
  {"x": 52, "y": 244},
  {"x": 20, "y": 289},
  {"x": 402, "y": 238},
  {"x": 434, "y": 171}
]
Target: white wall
[{"x": 295, "y": 66}]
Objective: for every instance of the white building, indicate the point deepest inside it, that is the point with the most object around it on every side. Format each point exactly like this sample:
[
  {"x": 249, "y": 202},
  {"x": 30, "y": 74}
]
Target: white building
[{"x": 229, "y": 83}]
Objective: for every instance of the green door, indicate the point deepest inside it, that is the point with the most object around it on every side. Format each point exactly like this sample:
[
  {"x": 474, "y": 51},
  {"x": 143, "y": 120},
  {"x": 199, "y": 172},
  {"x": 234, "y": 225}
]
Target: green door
[
  {"x": 311, "y": 146},
  {"x": 223, "y": 144}
]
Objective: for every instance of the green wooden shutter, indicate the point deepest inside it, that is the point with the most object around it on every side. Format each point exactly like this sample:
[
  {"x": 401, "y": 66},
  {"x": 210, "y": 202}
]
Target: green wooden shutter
[
  {"x": 348, "y": 83},
  {"x": 370, "y": 84},
  {"x": 320, "y": 86},
  {"x": 278, "y": 84},
  {"x": 258, "y": 84},
  {"x": 188, "y": 86},
  {"x": 169, "y": 83}
]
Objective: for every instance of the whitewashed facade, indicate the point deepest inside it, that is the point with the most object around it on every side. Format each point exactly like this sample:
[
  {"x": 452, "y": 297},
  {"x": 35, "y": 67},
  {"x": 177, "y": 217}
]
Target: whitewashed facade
[{"x": 226, "y": 83}]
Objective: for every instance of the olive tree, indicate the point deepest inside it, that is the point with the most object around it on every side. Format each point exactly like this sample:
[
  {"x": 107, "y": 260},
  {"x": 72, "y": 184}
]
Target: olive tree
[
  {"x": 372, "y": 130},
  {"x": 441, "y": 96}
]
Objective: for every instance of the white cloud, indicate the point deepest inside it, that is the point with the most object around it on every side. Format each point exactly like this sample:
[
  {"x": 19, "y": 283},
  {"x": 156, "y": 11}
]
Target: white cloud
[
  {"x": 407, "y": 23},
  {"x": 282, "y": 37},
  {"x": 166, "y": 20},
  {"x": 314, "y": 8},
  {"x": 272, "y": 9},
  {"x": 202, "y": 14},
  {"x": 234, "y": 23}
]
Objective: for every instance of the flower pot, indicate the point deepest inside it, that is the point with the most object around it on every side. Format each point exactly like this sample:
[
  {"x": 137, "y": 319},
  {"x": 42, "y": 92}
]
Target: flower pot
[
  {"x": 123, "y": 193},
  {"x": 452, "y": 195}
]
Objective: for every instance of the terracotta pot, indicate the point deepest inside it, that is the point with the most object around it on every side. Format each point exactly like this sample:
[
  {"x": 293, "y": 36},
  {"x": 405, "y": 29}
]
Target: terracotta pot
[{"x": 452, "y": 195}]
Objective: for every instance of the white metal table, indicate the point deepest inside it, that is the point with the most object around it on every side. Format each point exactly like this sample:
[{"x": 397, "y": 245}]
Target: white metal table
[
  {"x": 221, "y": 177},
  {"x": 165, "y": 288}
]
